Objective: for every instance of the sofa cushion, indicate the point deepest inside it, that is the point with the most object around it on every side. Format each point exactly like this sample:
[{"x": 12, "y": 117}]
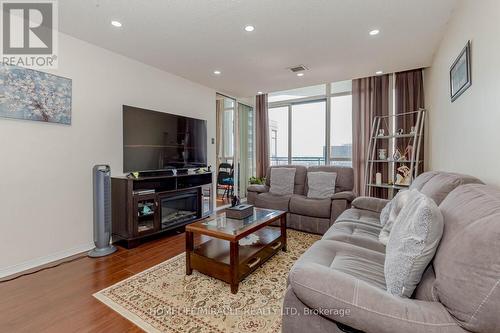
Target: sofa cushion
[
  {"x": 282, "y": 181},
  {"x": 412, "y": 244},
  {"x": 370, "y": 203},
  {"x": 390, "y": 213},
  {"x": 300, "y": 204},
  {"x": 321, "y": 185},
  {"x": 300, "y": 177},
  {"x": 310, "y": 224},
  {"x": 344, "y": 180},
  {"x": 467, "y": 263},
  {"x": 359, "y": 215},
  {"x": 355, "y": 233},
  {"x": 357, "y": 262},
  {"x": 371, "y": 308},
  {"x": 437, "y": 185},
  {"x": 271, "y": 201}
]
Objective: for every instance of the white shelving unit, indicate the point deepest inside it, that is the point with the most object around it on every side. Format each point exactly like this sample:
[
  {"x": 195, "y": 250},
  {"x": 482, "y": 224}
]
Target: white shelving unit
[{"x": 392, "y": 139}]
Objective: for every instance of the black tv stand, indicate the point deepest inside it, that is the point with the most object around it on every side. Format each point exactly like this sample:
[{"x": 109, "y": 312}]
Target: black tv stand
[
  {"x": 144, "y": 207},
  {"x": 157, "y": 173}
]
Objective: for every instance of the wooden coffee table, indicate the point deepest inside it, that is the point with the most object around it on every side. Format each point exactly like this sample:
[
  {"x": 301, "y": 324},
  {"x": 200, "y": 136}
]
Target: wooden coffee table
[{"x": 223, "y": 257}]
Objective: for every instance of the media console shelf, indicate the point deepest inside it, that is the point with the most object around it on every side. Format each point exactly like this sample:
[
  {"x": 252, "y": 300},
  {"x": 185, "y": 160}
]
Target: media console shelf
[{"x": 147, "y": 206}]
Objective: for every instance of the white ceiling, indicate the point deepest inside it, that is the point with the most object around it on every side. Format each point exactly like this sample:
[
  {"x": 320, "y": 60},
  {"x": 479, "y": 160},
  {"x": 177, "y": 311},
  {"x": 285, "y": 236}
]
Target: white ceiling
[{"x": 192, "y": 38}]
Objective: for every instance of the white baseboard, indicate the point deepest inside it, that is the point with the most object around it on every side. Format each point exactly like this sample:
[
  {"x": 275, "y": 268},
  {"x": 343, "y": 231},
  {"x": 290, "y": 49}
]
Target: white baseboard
[{"x": 14, "y": 269}]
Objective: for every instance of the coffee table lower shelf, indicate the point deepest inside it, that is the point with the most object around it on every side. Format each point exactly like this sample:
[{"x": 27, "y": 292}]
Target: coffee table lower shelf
[{"x": 214, "y": 257}]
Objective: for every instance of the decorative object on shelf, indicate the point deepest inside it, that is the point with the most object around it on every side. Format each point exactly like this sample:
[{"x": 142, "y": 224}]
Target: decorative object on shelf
[
  {"x": 34, "y": 95},
  {"x": 381, "y": 132},
  {"x": 239, "y": 212},
  {"x": 397, "y": 155},
  {"x": 403, "y": 177},
  {"x": 382, "y": 154},
  {"x": 378, "y": 178},
  {"x": 408, "y": 152},
  {"x": 146, "y": 210},
  {"x": 249, "y": 240},
  {"x": 235, "y": 201},
  {"x": 407, "y": 140},
  {"x": 460, "y": 73}
]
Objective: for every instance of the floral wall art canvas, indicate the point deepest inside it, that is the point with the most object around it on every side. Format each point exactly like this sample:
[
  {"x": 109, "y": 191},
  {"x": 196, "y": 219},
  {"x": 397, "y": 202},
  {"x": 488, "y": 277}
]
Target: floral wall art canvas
[{"x": 33, "y": 95}]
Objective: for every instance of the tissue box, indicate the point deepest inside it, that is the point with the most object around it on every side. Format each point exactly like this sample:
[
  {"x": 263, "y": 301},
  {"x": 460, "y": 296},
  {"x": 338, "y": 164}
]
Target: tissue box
[{"x": 239, "y": 211}]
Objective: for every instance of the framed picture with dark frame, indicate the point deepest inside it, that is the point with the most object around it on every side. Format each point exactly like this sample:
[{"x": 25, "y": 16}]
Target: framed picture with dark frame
[{"x": 460, "y": 73}]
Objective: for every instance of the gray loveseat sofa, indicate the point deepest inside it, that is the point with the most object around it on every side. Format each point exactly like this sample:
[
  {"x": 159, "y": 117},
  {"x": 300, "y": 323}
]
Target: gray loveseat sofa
[
  {"x": 338, "y": 284},
  {"x": 310, "y": 215}
]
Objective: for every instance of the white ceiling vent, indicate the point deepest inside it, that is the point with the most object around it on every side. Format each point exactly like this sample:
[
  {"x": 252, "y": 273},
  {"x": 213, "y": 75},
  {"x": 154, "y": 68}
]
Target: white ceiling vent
[{"x": 299, "y": 68}]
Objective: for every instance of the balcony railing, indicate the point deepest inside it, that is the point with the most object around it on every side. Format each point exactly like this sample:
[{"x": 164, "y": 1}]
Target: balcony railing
[{"x": 310, "y": 161}]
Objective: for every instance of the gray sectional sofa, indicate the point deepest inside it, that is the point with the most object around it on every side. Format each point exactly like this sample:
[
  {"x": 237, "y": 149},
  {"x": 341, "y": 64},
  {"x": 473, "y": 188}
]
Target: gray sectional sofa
[
  {"x": 338, "y": 284},
  {"x": 310, "y": 215}
]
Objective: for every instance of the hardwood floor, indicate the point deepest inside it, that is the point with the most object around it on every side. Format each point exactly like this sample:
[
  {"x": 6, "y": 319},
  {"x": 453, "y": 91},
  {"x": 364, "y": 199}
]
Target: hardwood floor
[{"x": 60, "y": 299}]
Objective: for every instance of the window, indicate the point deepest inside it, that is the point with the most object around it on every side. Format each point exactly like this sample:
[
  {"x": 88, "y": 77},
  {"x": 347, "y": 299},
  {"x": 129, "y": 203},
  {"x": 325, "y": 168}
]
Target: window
[
  {"x": 299, "y": 132},
  {"x": 274, "y": 142},
  {"x": 278, "y": 127},
  {"x": 341, "y": 130},
  {"x": 292, "y": 94},
  {"x": 308, "y": 133}
]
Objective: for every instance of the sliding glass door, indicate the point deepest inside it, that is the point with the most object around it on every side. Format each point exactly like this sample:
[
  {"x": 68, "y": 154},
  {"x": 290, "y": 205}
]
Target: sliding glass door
[
  {"x": 246, "y": 148},
  {"x": 235, "y": 148}
]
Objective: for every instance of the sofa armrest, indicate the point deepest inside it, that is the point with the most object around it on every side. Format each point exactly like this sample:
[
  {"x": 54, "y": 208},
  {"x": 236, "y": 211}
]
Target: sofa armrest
[
  {"x": 370, "y": 203},
  {"x": 258, "y": 188},
  {"x": 344, "y": 195},
  {"x": 344, "y": 299}
]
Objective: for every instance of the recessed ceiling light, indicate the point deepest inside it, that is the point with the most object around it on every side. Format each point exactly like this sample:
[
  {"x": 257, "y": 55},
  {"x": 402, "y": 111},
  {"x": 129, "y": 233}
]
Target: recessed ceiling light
[
  {"x": 217, "y": 72},
  {"x": 249, "y": 28},
  {"x": 300, "y": 74},
  {"x": 116, "y": 24},
  {"x": 379, "y": 72},
  {"x": 374, "y": 32},
  {"x": 259, "y": 92}
]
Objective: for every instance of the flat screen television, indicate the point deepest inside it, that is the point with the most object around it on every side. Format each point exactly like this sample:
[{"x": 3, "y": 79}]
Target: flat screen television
[{"x": 161, "y": 141}]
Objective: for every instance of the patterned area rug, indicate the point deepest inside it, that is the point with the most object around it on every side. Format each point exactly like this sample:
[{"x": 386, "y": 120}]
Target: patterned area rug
[{"x": 164, "y": 299}]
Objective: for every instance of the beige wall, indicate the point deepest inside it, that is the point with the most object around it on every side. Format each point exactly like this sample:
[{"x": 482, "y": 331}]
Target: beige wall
[
  {"x": 464, "y": 136},
  {"x": 45, "y": 169}
]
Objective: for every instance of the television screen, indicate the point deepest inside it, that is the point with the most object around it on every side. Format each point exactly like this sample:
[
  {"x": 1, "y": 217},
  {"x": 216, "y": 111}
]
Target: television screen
[{"x": 156, "y": 141}]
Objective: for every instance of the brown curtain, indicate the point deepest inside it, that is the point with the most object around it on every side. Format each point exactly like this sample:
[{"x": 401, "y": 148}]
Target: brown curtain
[
  {"x": 370, "y": 98},
  {"x": 409, "y": 95},
  {"x": 262, "y": 135}
]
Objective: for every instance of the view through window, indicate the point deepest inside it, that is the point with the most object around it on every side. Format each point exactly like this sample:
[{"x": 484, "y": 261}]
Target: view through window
[
  {"x": 278, "y": 130},
  {"x": 298, "y": 127}
]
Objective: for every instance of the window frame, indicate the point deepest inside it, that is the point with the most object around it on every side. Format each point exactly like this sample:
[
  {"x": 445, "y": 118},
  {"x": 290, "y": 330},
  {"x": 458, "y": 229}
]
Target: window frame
[{"x": 326, "y": 97}]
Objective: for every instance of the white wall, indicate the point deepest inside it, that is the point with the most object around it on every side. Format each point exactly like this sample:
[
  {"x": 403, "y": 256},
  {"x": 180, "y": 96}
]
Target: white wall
[
  {"x": 464, "y": 136},
  {"x": 45, "y": 169}
]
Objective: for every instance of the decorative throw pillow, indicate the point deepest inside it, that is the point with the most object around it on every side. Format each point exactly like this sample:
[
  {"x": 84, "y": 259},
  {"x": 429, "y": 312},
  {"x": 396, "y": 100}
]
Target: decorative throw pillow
[
  {"x": 385, "y": 213},
  {"x": 321, "y": 184},
  {"x": 390, "y": 213},
  {"x": 412, "y": 244},
  {"x": 282, "y": 181}
]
